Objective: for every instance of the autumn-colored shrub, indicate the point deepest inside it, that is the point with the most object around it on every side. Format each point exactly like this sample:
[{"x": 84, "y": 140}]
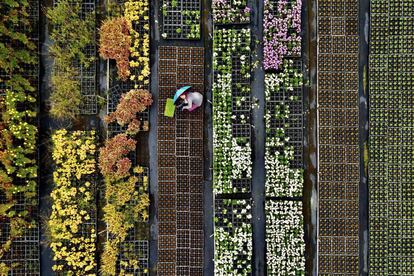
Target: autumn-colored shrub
[
  {"x": 115, "y": 43},
  {"x": 113, "y": 160},
  {"x": 131, "y": 103}
]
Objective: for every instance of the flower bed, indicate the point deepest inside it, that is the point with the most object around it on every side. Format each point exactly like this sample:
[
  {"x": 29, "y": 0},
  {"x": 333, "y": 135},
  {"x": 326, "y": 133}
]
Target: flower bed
[
  {"x": 232, "y": 237},
  {"x": 282, "y": 27},
  {"x": 126, "y": 190},
  {"x": 18, "y": 139},
  {"x": 73, "y": 50},
  {"x": 285, "y": 250},
  {"x": 181, "y": 19},
  {"x": 72, "y": 223},
  {"x": 231, "y": 112},
  {"x": 230, "y": 12},
  {"x": 137, "y": 12},
  {"x": 282, "y": 89}
]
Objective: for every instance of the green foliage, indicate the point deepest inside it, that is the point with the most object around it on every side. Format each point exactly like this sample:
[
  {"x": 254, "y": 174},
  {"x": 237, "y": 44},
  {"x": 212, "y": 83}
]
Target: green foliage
[
  {"x": 71, "y": 34},
  {"x": 11, "y": 57},
  {"x": 18, "y": 131},
  {"x": 66, "y": 96}
]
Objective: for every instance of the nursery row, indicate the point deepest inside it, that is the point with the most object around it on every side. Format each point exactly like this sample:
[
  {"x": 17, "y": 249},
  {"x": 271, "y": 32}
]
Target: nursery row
[
  {"x": 72, "y": 222},
  {"x": 391, "y": 135},
  {"x": 180, "y": 215},
  {"x": 231, "y": 113},
  {"x": 281, "y": 32},
  {"x": 285, "y": 246},
  {"x": 232, "y": 152},
  {"x": 19, "y": 227},
  {"x": 125, "y": 40},
  {"x": 338, "y": 116}
]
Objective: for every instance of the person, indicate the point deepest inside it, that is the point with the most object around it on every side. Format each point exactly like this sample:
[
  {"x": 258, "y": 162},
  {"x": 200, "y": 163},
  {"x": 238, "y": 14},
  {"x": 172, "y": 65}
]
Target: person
[{"x": 190, "y": 101}]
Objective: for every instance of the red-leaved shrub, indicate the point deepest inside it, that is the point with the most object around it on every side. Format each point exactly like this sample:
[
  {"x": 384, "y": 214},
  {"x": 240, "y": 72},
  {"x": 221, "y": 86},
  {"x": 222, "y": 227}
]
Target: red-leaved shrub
[
  {"x": 113, "y": 160},
  {"x": 130, "y": 104},
  {"x": 115, "y": 41}
]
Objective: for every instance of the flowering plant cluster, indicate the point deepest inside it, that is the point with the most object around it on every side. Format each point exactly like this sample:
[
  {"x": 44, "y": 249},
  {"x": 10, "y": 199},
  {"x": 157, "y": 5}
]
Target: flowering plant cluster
[
  {"x": 233, "y": 239},
  {"x": 130, "y": 104},
  {"x": 72, "y": 222},
  {"x": 18, "y": 130},
  {"x": 231, "y": 11},
  {"x": 281, "y": 179},
  {"x": 285, "y": 238},
  {"x": 126, "y": 185},
  {"x": 232, "y": 155},
  {"x": 71, "y": 35},
  {"x": 115, "y": 43},
  {"x": 282, "y": 27},
  {"x": 137, "y": 13}
]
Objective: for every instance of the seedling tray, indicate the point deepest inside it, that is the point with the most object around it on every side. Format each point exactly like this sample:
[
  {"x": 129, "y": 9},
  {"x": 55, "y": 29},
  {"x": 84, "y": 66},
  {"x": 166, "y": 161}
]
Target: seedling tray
[{"x": 181, "y": 19}]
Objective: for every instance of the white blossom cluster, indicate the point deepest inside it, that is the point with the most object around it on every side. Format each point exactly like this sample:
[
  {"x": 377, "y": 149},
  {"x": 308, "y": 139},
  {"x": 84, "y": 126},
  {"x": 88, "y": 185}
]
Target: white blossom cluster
[
  {"x": 232, "y": 156},
  {"x": 281, "y": 179},
  {"x": 233, "y": 243},
  {"x": 285, "y": 238}
]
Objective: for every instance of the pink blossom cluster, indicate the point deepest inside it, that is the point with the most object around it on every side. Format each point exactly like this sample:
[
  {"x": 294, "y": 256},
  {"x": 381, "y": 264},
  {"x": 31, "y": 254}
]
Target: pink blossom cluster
[{"x": 282, "y": 27}]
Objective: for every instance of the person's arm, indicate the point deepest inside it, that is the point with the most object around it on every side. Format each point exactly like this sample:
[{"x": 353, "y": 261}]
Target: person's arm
[
  {"x": 189, "y": 102},
  {"x": 181, "y": 104}
]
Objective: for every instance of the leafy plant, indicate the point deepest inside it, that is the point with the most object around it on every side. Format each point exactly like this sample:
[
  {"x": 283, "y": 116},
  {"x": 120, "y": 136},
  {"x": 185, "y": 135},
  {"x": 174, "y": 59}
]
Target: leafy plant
[
  {"x": 66, "y": 96},
  {"x": 137, "y": 12},
  {"x": 131, "y": 103},
  {"x": 18, "y": 131},
  {"x": 113, "y": 160},
  {"x": 71, "y": 223},
  {"x": 126, "y": 196},
  {"x": 71, "y": 35},
  {"x": 115, "y": 43}
]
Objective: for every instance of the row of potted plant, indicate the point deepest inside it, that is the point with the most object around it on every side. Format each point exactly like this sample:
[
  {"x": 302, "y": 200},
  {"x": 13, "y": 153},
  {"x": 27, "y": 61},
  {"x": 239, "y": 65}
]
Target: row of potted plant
[
  {"x": 281, "y": 179},
  {"x": 284, "y": 238},
  {"x": 232, "y": 155},
  {"x": 137, "y": 12},
  {"x": 18, "y": 131},
  {"x": 126, "y": 185},
  {"x": 72, "y": 222},
  {"x": 390, "y": 138},
  {"x": 285, "y": 246},
  {"x": 232, "y": 160},
  {"x": 281, "y": 31},
  {"x": 71, "y": 35},
  {"x": 231, "y": 12},
  {"x": 125, "y": 38},
  {"x": 233, "y": 239}
]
